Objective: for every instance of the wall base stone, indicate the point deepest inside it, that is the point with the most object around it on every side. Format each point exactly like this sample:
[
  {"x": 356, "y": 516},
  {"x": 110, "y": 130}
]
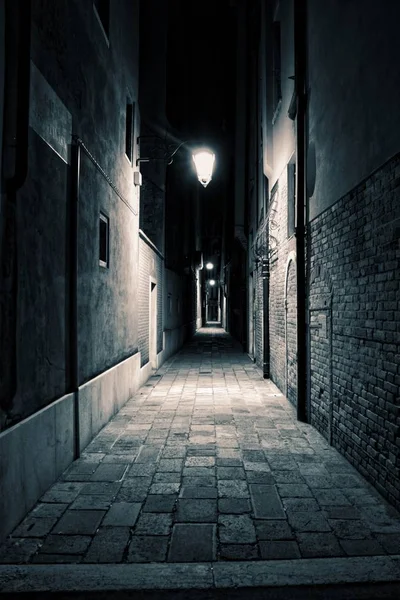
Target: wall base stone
[{"x": 36, "y": 451}]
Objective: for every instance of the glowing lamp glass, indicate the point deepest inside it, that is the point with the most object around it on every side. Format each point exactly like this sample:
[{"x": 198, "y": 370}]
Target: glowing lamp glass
[
  {"x": 204, "y": 162},
  {"x": 212, "y": 281},
  {"x": 209, "y": 265}
]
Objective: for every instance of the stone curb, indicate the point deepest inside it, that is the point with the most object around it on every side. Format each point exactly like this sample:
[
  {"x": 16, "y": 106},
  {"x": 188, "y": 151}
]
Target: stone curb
[{"x": 199, "y": 576}]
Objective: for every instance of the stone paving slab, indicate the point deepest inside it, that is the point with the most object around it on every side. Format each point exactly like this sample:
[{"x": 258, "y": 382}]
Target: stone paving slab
[
  {"x": 266, "y": 502},
  {"x": 207, "y": 462},
  {"x": 193, "y": 542}
]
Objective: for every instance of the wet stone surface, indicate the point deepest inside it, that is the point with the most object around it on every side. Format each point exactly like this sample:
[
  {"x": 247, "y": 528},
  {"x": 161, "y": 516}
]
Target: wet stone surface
[{"x": 206, "y": 462}]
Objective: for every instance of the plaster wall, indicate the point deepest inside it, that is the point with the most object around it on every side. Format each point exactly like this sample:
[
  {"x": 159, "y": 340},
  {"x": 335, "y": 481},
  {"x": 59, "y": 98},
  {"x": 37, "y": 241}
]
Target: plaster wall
[
  {"x": 283, "y": 128},
  {"x": 81, "y": 85},
  {"x": 41, "y": 227},
  {"x": 353, "y": 104},
  {"x": 107, "y": 295}
]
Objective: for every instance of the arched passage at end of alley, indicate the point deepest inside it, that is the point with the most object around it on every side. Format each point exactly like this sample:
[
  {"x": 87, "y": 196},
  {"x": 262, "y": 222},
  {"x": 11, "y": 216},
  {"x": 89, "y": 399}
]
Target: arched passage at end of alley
[{"x": 206, "y": 462}]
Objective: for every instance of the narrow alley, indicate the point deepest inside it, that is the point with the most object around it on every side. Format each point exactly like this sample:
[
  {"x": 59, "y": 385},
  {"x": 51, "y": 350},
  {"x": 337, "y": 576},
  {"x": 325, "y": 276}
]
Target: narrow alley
[
  {"x": 199, "y": 299},
  {"x": 205, "y": 463}
]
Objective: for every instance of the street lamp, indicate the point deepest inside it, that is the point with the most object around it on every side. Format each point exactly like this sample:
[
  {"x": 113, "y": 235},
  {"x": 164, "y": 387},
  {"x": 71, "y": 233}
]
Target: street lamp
[
  {"x": 212, "y": 281},
  {"x": 209, "y": 266},
  {"x": 204, "y": 162},
  {"x": 203, "y": 158}
]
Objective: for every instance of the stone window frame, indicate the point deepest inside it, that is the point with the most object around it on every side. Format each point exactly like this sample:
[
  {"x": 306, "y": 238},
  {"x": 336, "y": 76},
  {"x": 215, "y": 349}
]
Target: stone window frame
[
  {"x": 130, "y": 110},
  {"x": 291, "y": 170},
  {"x": 104, "y": 218}
]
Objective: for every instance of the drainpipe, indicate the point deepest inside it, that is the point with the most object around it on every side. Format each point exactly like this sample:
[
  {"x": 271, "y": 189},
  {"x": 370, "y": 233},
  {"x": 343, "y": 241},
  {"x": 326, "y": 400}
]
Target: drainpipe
[
  {"x": 300, "y": 86},
  {"x": 264, "y": 195},
  {"x": 20, "y": 18},
  {"x": 266, "y": 346},
  {"x": 73, "y": 288}
]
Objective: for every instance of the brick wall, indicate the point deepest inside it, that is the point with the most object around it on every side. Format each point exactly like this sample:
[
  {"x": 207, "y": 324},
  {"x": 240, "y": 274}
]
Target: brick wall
[
  {"x": 259, "y": 318},
  {"x": 160, "y": 309},
  {"x": 281, "y": 247},
  {"x": 355, "y": 362},
  {"x": 291, "y": 332}
]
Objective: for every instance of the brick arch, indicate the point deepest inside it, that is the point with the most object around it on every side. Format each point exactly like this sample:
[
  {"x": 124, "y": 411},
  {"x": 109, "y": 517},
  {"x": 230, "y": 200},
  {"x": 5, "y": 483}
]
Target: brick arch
[{"x": 291, "y": 328}]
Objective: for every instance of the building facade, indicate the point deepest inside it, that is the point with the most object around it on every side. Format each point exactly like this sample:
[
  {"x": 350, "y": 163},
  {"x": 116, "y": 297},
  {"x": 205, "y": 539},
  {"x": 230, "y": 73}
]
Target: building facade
[
  {"x": 320, "y": 209},
  {"x": 167, "y": 274},
  {"x": 88, "y": 307}
]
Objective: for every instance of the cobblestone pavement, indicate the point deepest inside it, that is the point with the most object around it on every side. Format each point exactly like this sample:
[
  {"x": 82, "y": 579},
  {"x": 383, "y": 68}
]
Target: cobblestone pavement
[{"x": 206, "y": 463}]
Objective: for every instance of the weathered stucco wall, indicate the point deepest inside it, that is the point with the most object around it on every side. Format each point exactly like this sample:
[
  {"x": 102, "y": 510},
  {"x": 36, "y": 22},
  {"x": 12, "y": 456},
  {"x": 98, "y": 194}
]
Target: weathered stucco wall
[
  {"x": 352, "y": 102},
  {"x": 80, "y": 86},
  {"x": 283, "y": 129}
]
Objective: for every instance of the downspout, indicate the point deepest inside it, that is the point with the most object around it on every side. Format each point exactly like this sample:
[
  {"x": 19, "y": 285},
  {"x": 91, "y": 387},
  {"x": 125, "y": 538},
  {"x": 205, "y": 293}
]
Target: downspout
[
  {"x": 266, "y": 345},
  {"x": 265, "y": 272},
  {"x": 246, "y": 132},
  {"x": 300, "y": 86},
  {"x": 21, "y": 16},
  {"x": 73, "y": 288}
]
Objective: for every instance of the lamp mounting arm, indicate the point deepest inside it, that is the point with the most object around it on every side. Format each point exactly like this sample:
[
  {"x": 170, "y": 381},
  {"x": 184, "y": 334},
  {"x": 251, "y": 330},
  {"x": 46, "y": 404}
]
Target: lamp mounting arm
[
  {"x": 202, "y": 157},
  {"x": 159, "y": 144}
]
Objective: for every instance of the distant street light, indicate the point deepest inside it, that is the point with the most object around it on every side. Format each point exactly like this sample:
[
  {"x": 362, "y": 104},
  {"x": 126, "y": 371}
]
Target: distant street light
[
  {"x": 212, "y": 281},
  {"x": 209, "y": 266}
]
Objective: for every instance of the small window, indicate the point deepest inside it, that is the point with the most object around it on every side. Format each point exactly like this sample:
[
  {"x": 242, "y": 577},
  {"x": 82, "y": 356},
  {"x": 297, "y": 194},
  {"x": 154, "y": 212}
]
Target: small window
[
  {"x": 129, "y": 126},
  {"x": 104, "y": 238},
  {"x": 103, "y": 12},
  {"x": 277, "y": 90},
  {"x": 291, "y": 192}
]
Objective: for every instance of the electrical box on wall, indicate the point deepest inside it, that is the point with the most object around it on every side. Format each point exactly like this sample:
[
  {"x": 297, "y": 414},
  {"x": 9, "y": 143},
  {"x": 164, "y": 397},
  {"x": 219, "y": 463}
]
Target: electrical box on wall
[{"x": 137, "y": 178}]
